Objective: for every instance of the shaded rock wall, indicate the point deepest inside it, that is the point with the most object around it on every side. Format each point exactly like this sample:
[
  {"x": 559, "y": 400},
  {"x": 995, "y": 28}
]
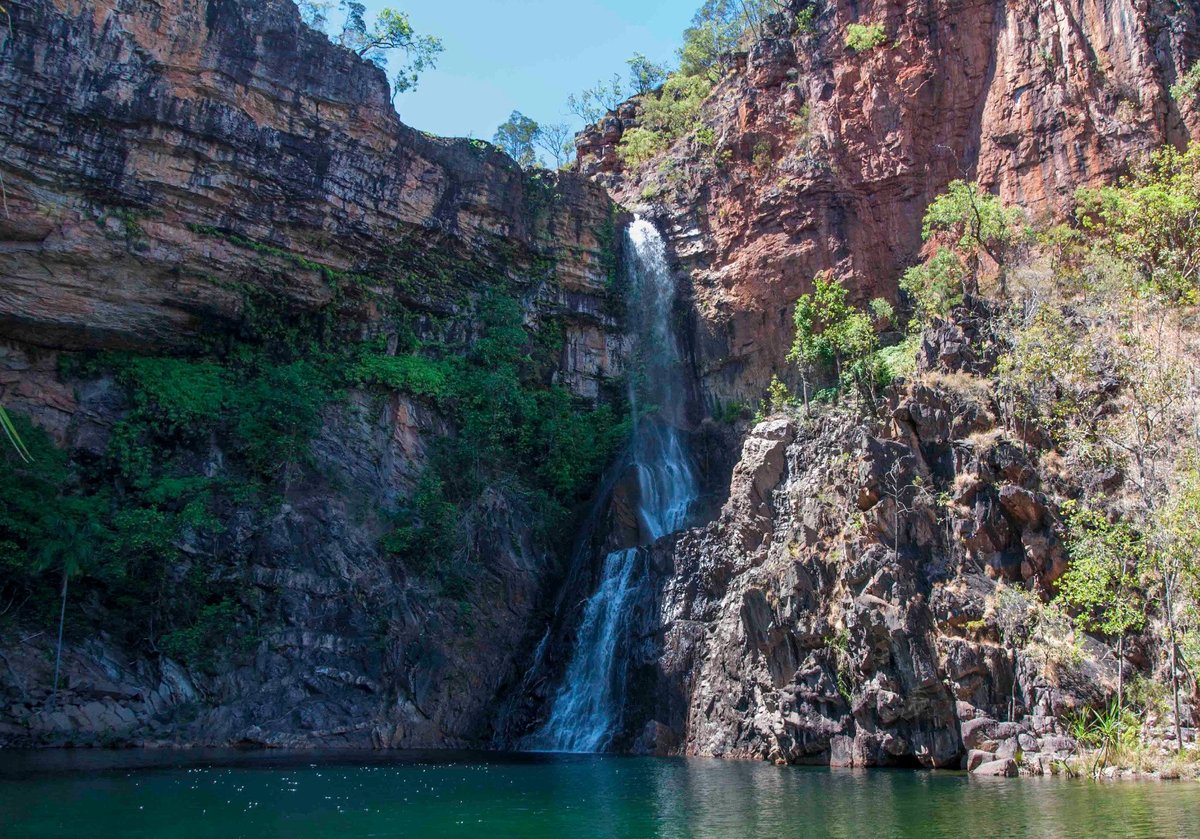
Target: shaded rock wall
[
  {"x": 137, "y": 130},
  {"x": 166, "y": 160}
]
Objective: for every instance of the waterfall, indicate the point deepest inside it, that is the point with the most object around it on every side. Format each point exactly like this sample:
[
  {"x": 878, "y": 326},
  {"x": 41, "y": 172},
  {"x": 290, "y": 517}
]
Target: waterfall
[{"x": 589, "y": 705}]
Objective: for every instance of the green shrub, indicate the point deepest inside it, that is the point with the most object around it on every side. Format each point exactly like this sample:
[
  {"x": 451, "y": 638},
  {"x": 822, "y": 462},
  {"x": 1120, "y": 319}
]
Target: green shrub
[
  {"x": 761, "y": 156},
  {"x": 203, "y": 643},
  {"x": 411, "y": 374},
  {"x": 176, "y": 396},
  {"x": 276, "y": 413},
  {"x": 1188, "y": 85},
  {"x": 1148, "y": 220},
  {"x": 511, "y": 429},
  {"x": 935, "y": 287},
  {"x": 666, "y": 116},
  {"x": 676, "y": 109},
  {"x": 832, "y": 331},
  {"x": 862, "y": 37},
  {"x": 120, "y": 544},
  {"x": 707, "y": 43},
  {"x": 898, "y": 361},
  {"x": 639, "y": 145},
  {"x": 425, "y": 528},
  {"x": 730, "y": 413}
]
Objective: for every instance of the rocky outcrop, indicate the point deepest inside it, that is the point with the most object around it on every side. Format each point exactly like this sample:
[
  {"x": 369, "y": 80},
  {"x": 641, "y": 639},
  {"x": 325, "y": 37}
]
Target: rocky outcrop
[
  {"x": 824, "y": 158},
  {"x": 166, "y": 164},
  {"x": 844, "y": 607}
]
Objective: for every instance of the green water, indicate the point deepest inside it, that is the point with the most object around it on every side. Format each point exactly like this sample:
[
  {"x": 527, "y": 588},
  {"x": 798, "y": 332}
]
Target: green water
[{"x": 318, "y": 795}]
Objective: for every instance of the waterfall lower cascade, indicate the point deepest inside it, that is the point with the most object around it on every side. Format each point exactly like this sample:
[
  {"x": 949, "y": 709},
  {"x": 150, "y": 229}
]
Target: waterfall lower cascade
[{"x": 589, "y": 704}]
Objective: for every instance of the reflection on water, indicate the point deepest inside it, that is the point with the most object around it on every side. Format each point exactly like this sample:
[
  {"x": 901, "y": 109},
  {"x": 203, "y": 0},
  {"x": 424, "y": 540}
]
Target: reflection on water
[{"x": 222, "y": 794}]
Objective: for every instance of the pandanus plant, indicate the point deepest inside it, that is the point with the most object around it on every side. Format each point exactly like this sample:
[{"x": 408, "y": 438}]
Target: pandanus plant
[{"x": 68, "y": 551}]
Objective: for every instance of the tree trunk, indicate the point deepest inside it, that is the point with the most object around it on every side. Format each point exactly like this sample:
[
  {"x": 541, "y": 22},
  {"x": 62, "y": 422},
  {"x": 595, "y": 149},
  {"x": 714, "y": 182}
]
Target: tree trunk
[
  {"x": 1012, "y": 698},
  {"x": 1121, "y": 673},
  {"x": 1173, "y": 665},
  {"x": 62, "y": 619}
]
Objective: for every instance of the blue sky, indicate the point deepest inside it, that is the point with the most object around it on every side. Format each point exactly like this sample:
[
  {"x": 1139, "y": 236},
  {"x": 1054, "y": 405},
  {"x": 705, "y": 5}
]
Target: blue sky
[{"x": 528, "y": 55}]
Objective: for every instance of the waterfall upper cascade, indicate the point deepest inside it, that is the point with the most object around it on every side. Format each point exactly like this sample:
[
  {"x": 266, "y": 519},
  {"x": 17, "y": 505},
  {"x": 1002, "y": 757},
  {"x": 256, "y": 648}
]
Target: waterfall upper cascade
[{"x": 589, "y": 704}]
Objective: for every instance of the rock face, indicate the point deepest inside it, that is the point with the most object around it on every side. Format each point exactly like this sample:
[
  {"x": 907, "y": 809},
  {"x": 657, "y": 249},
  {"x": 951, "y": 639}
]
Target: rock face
[
  {"x": 148, "y": 143},
  {"x": 832, "y": 613},
  {"x": 164, "y": 163},
  {"x": 825, "y": 158},
  {"x": 843, "y": 607},
  {"x": 167, "y": 160}
]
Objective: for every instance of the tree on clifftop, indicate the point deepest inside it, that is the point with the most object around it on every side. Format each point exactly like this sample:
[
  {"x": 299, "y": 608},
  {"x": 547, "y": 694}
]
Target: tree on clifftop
[
  {"x": 831, "y": 330},
  {"x": 390, "y": 32},
  {"x": 517, "y": 136}
]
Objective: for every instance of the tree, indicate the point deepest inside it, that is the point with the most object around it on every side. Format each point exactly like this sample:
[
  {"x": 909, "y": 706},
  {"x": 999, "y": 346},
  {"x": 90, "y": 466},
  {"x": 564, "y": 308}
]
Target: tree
[
  {"x": 558, "y": 141},
  {"x": 1186, "y": 88},
  {"x": 676, "y": 109},
  {"x": 1100, "y": 586},
  {"x": 1048, "y": 380},
  {"x": 831, "y": 330},
  {"x": 905, "y": 488},
  {"x": 315, "y": 13},
  {"x": 593, "y": 103},
  {"x": 714, "y": 34},
  {"x": 1151, "y": 219},
  {"x": 978, "y": 225},
  {"x": 934, "y": 287},
  {"x": 720, "y": 27},
  {"x": 72, "y": 536},
  {"x": 639, "y": 145},
  {"x": 667, "y": 114},
  {"x": 389, "y": 32},
  {"x": 1014, "y": 611},
  {"x": 517, "y": 136},
  {"x": 1176, "y": 565},
  {"x": 645, "y": 75}
]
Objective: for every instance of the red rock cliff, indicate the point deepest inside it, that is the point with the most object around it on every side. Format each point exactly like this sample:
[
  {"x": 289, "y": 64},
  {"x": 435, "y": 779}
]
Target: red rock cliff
[{"x": 827, "y": 158}]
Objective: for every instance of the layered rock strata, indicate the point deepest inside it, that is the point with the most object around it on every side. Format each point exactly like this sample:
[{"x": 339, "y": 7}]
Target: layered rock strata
[
  {"x": 166, "y": 162},
  {"x": 824, "y": 158}
]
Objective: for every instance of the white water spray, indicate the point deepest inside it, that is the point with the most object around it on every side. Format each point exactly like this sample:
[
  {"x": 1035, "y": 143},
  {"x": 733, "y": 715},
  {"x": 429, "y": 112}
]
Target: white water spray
[{"x": 588, "y": 707}]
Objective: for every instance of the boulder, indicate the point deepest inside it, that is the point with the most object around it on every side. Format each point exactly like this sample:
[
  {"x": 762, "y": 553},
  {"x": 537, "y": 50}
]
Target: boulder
[
  {"x": 977, "y": 731},
  {"x": 977, "y": 758},
  {"x": 997, "y": 769},
  {"x": 1022, "y": 506}
]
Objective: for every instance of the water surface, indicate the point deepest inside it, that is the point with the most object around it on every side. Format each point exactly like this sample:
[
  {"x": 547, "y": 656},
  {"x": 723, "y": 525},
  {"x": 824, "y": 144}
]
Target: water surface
[{"x": 231, "y": 794}]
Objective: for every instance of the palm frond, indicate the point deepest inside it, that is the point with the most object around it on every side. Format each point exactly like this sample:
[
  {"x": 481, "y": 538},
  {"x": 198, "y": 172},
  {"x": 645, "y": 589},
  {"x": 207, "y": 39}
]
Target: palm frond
[{"x": 10, "y": 431}]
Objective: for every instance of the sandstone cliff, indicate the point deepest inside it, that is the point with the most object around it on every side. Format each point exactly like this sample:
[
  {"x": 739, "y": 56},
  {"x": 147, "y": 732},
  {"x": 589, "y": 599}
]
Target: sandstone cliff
[
  {"x": 842, "y": 608},
  {"x": 825, "y": 616},
  {"x": 826, "y": 158},
  {"x": 168, "y": 167},
  {"x": 174, "y": 165}
]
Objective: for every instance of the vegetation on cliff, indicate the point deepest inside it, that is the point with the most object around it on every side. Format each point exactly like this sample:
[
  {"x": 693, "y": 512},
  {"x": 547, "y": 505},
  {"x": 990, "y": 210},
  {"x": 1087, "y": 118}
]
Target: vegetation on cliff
[
  {"x": 1093, "y": 337},
  {"x": 389, "y": 33},
  {"x": 224, "y": 433}
]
